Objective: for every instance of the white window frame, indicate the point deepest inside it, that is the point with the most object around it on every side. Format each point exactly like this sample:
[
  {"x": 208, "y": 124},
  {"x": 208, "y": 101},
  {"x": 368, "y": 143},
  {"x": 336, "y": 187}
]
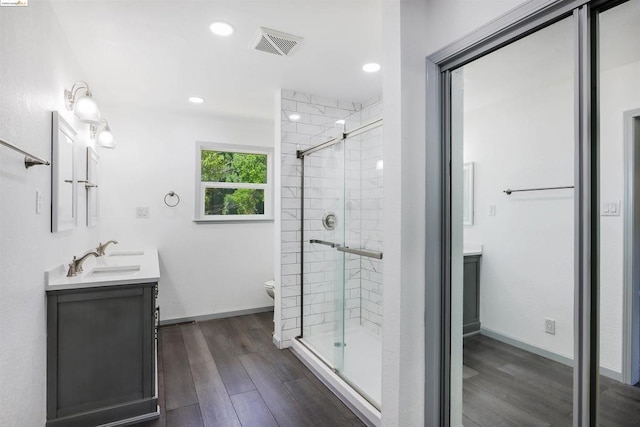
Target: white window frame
[{"x": 200, "y": 187}]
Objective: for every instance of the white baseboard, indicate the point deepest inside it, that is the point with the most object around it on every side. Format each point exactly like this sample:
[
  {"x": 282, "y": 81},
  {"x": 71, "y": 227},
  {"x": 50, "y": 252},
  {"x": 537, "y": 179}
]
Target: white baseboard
[
  {"x": 610, "y": 373},
  {"x": 276, "y": 341},
  {"x": 560, "y": 358},
  {"x": 212, "y": 316}
]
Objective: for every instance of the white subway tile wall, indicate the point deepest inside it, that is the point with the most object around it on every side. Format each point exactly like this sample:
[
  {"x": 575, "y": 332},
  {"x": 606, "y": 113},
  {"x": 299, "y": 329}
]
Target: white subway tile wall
[
  {"x": 364, "y": 205},
  {"x": 358, "y": 208}
]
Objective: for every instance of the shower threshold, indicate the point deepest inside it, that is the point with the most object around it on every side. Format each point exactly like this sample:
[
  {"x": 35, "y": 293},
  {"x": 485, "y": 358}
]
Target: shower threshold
[{"x": 347, "y": 392}]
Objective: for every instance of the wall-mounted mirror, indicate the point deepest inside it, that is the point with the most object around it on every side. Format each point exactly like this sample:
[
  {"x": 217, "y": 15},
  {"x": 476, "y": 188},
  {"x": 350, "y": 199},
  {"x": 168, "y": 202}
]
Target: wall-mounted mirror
[
  {"x": 92, "y": 187},
  {"x": 64, "y": 195},
  {"x": 467, "y": 203}
]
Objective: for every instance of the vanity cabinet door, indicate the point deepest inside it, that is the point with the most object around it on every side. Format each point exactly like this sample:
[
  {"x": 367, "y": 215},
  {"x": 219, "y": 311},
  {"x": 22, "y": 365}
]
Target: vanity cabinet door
[
  {"x": 100, "y": 354},
  {"x": 471, "y": 307}
]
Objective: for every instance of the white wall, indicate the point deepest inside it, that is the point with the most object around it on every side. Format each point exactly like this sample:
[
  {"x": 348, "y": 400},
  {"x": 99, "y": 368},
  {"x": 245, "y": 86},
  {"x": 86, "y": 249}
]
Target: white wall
[
  {"x": 620, "y": 92},
  {"x": 404, "y": 210},
  {"x": 205, "y": 268},
  {"x": 448, "y": 20},
  {"x": 35, "y": 68},
  {"x": 526, "y": 273}
]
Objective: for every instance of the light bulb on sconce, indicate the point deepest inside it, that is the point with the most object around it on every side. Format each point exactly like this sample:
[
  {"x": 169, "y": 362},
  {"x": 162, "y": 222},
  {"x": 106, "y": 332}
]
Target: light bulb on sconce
[
  {"x": 83, "y": 106},
  {"x": 102, "y": 134}
]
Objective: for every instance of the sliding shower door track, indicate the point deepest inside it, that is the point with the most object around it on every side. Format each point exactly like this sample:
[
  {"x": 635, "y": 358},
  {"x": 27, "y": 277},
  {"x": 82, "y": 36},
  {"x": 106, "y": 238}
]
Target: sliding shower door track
[
  {"x": 357, "y": 131},
  {"x": 317, "y": 354}
]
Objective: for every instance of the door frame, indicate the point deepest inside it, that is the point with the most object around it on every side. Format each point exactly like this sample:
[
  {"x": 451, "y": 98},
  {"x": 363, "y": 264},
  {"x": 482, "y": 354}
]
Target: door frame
[
  {"x": 631, "y": 293},
  {"x": 518, "y": 23}
]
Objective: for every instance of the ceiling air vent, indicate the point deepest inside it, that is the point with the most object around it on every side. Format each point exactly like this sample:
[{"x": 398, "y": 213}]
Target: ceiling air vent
[{"x": 276, "y": 42}]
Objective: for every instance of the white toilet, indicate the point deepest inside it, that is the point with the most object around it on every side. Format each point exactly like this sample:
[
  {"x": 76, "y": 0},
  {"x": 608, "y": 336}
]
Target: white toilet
[{"x": 269, "y": 287}]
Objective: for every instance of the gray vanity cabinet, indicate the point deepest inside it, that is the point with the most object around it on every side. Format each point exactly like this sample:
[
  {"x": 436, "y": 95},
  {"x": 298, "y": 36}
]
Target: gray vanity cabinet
[
  {"x": 101, "y": 355},
  {"x": 471, "y": 304}
]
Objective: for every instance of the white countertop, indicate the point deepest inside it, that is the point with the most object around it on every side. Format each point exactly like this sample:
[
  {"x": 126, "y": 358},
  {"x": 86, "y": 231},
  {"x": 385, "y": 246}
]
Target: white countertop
[
  {"x": 472, "y": 249},
  {"x": 116, "y": 268}
]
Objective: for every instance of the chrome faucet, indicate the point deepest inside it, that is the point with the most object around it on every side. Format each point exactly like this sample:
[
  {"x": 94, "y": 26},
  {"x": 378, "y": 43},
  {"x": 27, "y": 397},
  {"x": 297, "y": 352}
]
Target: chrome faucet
[
  {"x": 76, "y": 265},
  {"x": 100, "y": 249}
]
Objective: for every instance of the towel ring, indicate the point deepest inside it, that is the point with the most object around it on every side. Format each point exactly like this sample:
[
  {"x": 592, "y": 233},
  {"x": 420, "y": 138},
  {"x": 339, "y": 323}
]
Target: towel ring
[{"x": 171, "y": 194}]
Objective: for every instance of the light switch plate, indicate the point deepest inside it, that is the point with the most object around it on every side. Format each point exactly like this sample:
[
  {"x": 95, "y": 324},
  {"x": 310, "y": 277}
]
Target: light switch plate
[
  {"x": 610, "y": 208},
  {"x": 38, "y": 202},
  {"x": 142, "y": 212}
]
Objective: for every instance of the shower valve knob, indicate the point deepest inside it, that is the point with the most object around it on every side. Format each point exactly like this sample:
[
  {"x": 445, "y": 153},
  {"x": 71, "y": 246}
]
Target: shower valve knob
[{"x": 329, "y": 221}]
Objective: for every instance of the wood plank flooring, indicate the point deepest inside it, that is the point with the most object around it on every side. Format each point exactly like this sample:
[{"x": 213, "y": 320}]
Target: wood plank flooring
[
  {"x": 227, "y": 372},
  {"x": 506, "y": 386}
]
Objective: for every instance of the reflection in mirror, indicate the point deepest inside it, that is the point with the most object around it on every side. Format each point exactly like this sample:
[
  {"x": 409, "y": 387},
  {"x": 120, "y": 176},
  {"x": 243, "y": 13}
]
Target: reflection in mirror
[
  {"x": 63, "y": 178},
  {"x": 512, "y": 281},
  {"x": 92, "y": 187},
  {"x": 619, "y": 215}
]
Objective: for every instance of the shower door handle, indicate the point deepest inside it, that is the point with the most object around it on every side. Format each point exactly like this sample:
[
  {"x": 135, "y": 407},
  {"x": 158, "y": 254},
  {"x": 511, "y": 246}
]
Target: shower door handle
[
  {"x": 346, "y": 249},
  {"x": 324, "y": 242},
  {"x": 363, "y": 252}
]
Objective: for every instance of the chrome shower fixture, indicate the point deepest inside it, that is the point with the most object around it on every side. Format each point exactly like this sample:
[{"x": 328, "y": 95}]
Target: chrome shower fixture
[{"x": 329, "y": 220}]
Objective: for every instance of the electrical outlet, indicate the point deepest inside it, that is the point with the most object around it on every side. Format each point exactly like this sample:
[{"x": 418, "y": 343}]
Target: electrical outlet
[
  {"x": 142, "y": 212},
  {"x": 492, "y": 210},
  {"x": 550, "y": 326}
]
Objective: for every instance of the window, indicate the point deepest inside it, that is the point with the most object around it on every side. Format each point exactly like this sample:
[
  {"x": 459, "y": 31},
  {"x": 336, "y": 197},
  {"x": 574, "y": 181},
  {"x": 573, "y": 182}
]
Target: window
[{"x": 233, "y": 183}]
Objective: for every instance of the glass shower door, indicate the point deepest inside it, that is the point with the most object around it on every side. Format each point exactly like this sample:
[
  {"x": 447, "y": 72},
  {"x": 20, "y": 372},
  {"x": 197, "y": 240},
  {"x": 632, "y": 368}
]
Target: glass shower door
[
  {"x": 363, "y": 263},
  {"x": 342, "y": 256},
  {"x": 323, "y": 265}
]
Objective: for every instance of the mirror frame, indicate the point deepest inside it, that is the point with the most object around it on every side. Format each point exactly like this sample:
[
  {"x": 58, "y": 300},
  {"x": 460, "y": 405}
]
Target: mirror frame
[{"x": 60, "y": 125}]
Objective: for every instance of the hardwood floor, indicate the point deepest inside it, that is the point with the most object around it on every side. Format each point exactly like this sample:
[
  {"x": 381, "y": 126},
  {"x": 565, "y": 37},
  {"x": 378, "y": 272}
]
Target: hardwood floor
[
  {"x": 227, "y": 372},
  {"x": 506, "y": 386}
]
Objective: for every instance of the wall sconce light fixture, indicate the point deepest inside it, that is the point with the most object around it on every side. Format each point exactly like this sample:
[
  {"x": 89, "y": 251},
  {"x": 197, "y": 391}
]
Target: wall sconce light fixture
[
  {"x": 102, "y": 134},
  {"x": 83, "y": 106}
]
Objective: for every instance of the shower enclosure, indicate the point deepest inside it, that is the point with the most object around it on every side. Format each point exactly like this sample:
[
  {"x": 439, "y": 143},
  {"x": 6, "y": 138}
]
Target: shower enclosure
[{"x": 342, "y": 255}]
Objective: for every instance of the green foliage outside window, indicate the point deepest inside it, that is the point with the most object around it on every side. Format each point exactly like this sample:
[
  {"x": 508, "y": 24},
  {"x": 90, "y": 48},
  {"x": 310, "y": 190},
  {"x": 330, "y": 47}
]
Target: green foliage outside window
[{"x": 230, "y": 167}]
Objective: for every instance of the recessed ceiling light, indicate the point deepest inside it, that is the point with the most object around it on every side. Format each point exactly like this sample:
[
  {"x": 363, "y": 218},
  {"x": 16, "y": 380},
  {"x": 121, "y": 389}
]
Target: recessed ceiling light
[
  {"x": 340, "y": 122},
  {"x": 294, "y": 117},
  {"x": 196, "y": 99},
  {"x": 221, "y": 29},
  {"x": 371, "y": 67}
]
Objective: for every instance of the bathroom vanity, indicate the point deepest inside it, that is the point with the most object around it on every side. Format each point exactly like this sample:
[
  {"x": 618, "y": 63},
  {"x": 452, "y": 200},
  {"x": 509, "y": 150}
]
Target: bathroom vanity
[
  {"x": 471, "y": 295},
  {"x": 102, "y": 341}
]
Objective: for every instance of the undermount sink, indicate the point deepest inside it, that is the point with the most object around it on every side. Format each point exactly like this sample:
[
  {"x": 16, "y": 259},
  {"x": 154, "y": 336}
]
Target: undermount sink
[
  {"x": 116, "y": 269},
  {"x": 125, "y": 253}
]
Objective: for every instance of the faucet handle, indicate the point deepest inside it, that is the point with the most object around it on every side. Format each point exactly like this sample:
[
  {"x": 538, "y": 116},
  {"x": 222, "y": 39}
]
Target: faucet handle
[{"x": 72, "y": 268}]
